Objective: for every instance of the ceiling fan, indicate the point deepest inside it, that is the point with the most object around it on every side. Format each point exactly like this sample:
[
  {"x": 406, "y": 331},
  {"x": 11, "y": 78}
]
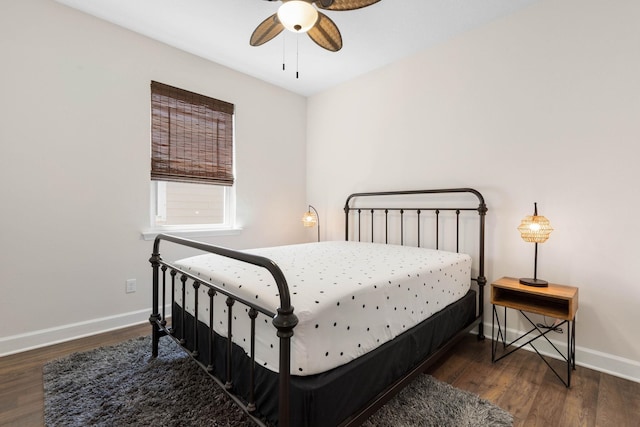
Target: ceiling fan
[{"x": 301, "y": 16}]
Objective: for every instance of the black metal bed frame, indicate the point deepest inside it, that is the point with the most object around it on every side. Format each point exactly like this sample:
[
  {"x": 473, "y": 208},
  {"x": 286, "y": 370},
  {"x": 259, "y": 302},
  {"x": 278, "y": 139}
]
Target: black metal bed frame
[{"x": 285, "y": 320}]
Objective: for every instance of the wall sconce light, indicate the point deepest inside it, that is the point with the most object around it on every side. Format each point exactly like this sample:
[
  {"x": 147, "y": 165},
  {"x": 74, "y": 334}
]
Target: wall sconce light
[
  {"x": 311, "y": 219},
  {"x": 535, "y": 228}
]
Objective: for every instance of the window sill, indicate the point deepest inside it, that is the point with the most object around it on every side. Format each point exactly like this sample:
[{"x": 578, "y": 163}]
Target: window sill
[{"x": 151, "y": 234}]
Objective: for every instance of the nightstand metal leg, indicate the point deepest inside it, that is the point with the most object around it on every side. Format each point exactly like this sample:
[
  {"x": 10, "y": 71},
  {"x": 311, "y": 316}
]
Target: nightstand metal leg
[
  {"x": 569, "y": 354},
  {"x": 493, "y": 338},
  {"x": 571, "y": 350},
  {"x": 504, "y": 337},
  {"x": 573, "y": 342},
  {"x": 500, "y": 335}
]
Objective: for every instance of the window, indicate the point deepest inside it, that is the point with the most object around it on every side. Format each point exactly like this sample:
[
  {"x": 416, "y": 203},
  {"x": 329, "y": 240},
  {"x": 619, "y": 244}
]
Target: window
[
  {"x": 191, "y": 160},
  {"x": 182, "y": 203}
]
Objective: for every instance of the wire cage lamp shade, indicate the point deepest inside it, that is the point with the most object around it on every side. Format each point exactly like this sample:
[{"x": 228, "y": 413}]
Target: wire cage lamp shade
[
  {"x": 311, "y": 219},
  {"x": 535, "y": 229}
]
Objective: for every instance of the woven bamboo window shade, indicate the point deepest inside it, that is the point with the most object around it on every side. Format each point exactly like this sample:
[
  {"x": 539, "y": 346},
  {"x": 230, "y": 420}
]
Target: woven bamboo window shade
[{"x": 191, "y": 137}]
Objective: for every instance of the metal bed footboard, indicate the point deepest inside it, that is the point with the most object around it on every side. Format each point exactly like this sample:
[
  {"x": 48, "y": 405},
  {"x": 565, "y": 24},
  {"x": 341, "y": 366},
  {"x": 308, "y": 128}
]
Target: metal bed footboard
[{"x": 284, "y": 319}]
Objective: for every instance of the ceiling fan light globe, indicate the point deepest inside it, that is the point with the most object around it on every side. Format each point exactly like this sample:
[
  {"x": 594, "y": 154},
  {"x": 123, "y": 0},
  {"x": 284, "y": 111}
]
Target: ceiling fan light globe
[{"x": 297, "y": 16}]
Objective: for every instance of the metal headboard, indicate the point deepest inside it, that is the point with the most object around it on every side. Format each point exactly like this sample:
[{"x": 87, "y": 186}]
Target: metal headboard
[{"x": 418, "y": 208}]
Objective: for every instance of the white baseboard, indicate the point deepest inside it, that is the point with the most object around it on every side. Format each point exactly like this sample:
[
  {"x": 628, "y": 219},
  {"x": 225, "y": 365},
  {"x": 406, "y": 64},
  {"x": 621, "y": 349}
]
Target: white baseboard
[
  {"x": 586, "y": 357},
  {"x": 45, "y": 337}
]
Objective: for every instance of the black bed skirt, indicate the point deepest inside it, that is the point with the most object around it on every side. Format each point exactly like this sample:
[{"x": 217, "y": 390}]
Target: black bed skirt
[{"x": 329, "y": 398}]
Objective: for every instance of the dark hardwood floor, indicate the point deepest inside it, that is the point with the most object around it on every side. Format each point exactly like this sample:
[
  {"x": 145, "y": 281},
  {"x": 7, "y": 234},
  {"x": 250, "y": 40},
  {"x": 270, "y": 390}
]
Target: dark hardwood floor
[
  {"x": 521, "y": 384},
  {"x": 21, "y": 384}
]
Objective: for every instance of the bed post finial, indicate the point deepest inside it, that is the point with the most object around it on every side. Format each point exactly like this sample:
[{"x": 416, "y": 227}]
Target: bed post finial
[{"x": 346, "y": 221}]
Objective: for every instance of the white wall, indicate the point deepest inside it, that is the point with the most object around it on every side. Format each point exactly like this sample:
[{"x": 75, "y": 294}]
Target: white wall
[
  {"x": 74, "y": 138},
  {"x": 542, "y": 106}
]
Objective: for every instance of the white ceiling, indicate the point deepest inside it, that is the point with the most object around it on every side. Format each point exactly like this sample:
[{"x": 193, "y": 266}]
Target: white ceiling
[{"x": 374, "y": 36}]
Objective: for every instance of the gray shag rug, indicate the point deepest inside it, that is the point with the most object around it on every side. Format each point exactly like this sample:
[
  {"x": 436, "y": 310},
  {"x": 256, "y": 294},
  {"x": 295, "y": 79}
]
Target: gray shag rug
[{"x": 122, "y": 385}]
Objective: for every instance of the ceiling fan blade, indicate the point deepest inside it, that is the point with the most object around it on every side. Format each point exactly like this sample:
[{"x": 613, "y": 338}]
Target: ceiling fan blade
[
  {"x": 344, "y": 4},
  {"x": 268, "y": 29},
  {"x": 326, "y": 34}
]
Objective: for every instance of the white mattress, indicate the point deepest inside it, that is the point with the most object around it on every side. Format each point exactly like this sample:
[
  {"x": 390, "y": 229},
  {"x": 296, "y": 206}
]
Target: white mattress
[{"x": 350, "y": 297}]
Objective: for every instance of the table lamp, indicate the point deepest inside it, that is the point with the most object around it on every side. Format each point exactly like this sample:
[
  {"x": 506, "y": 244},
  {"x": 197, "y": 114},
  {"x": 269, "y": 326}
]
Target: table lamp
[
  {"x": 535, "y": 228},
  {"x": 311, "y": 219}
]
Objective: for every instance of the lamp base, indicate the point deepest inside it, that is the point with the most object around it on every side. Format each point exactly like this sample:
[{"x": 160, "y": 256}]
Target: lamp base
[{"x": 535, "y": 282}]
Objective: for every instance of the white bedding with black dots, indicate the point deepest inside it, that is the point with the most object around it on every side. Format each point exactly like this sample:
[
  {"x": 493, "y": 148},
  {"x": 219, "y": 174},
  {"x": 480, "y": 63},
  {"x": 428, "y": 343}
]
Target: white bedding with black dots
[{"x": 349, "y": 297}]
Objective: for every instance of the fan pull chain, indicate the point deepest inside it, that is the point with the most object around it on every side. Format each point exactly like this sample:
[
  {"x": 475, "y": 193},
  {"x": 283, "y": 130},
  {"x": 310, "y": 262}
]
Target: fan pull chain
[
  {"x": 283, "y": 50},
  {"x": 297, "y": 55}
]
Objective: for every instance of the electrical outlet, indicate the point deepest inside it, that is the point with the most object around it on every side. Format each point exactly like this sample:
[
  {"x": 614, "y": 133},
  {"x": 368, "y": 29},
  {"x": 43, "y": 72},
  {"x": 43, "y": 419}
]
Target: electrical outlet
[{"x": 131, "y": 286}]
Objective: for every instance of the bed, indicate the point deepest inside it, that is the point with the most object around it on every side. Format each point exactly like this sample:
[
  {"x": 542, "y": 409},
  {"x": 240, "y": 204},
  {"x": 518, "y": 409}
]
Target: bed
[{"x": 325, "y": 333}]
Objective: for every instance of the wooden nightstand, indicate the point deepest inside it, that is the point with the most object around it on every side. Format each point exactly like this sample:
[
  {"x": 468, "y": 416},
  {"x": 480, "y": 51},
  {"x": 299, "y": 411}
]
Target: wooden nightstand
[{"x": 556, "y": 301}]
